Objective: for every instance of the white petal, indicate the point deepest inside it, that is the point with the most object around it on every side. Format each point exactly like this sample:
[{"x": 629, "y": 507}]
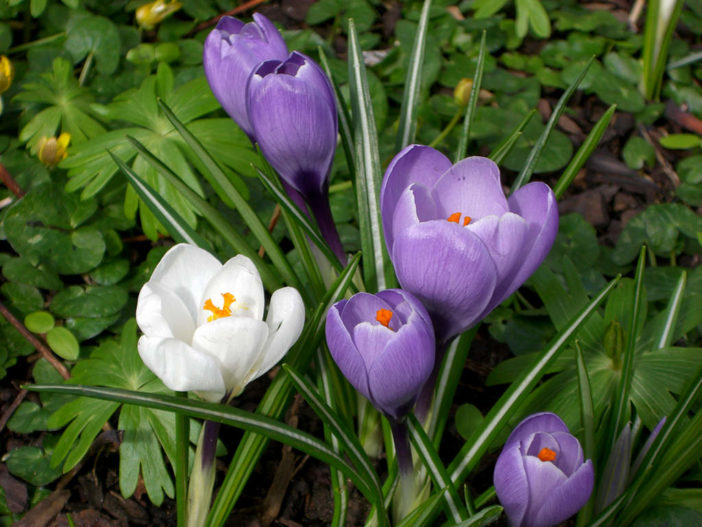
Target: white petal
[
  {"x": 160, "y": 313},
  {"x": 239, "y": 277},
  {"x": 182, "y": 368},
  {"x": 236, "y": 343},
  {"x": 185, "y": 270},
  {"x": 286, "y": 317}
]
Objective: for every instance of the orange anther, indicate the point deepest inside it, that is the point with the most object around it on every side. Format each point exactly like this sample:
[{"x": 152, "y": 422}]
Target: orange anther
[
  {"x": 455, "y": 217},
  {"x": 546, "y": 454},
  {"x": 218, "y": 312},
  {"x": 466, "y": 220},
  {"x": 383, "y": 316}
]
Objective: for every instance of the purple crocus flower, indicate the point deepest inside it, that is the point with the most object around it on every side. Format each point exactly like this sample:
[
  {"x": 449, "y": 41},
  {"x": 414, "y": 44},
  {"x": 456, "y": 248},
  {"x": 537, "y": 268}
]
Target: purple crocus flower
[
  {"x": 292, "y": 110},
  {"x": 540, "y": 477},
  {"x": 456, "y": 241},
  {"x": 232, "y": 51},
  {"x": 384, "y": 346}
]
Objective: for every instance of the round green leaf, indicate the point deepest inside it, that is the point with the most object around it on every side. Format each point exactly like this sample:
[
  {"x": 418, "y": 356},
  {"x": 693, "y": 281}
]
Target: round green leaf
[
  {"x": 89, "y": 301},
  {"x": 680, "y": 141},
  {"x": 32, "y": 465},
  {"x": 468, "y": 417},
  {"x": 63, "y": 343},
  {"x": 638, "y": 152},
  {"x": 39, "y": 321}
]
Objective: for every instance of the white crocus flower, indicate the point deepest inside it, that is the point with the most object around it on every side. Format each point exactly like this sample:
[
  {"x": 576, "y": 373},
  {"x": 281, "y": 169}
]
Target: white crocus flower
[{"x": 203, "y": 323}]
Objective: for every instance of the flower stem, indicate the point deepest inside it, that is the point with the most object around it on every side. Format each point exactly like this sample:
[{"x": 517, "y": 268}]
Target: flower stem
[
  {"x": 203, "y": 475},
  {"x": 405, "y": 494},
  {"x": 319, "y": 205},
  {"x": 181, "y": 468}
]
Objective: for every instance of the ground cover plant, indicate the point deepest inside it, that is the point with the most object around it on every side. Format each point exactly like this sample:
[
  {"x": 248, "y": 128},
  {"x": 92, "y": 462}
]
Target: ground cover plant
[{"x": 350, "y": 263}]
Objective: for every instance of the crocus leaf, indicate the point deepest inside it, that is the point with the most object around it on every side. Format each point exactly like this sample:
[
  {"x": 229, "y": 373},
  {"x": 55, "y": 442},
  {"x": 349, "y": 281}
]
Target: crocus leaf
[{"x": 472, "y": 102}]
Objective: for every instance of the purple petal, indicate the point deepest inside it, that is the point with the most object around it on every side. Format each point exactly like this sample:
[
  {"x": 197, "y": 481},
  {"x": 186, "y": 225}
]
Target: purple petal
[
  {"x": 544, "y": 478},
  {"x": 570, "y": 453},
  {"x": 535, "y": 203},
  {"x": 231, "y": 52},
  {"x": 406, "y": 306},
  {"x": 566, "y": 499},
  {"x": 414, "y": 164},
  {"x": 344, "y": 352},
  {"x": 371, "y": 341},
  {"x": 535, "y": 443},
  {"x": 448, "y": 269},
  {"x": 471, "y": 187},
  {"x": 511, "y": 484},
  {"x": 647, "y": 445},
  {"x": 293, "y": 114},
  {"x": 397, "y": 374},
  {"x": 542, "y": 422},
  {"x": 363, "y": 307},
  {"x": 505, "y": 238}
]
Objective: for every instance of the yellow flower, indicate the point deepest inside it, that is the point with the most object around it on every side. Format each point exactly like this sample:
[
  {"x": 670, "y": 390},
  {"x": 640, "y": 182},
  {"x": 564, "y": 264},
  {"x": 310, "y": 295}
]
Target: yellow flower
[
  {"x": 461, "y": 93},
  {"x": 7, "y": 73},
  {"x": 150, "y": 15},
  {"x": 51, "y": 151}
]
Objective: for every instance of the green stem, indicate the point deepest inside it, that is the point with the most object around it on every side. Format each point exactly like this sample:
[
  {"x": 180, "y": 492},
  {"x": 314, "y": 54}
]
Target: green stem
[
  {"x": 85, "y": 69},
  {"x": 203, "y": 475},
  {"x": 39, "y": 42},
  {"x": 447, "y": 130},
  {"x": 181, "y": 465}
]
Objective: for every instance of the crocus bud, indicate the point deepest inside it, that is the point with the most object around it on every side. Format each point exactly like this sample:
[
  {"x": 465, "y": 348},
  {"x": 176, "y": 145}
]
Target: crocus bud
[
  {"x": 232, "y": 51},
  {"x": 293, "y": 113},
  {"x": 384, "y": 346},
  {"x": 203, "y": 323},
  {"x": 148, "y": 16},
  {"x": 457, "y": 243},
  {"x": 540, "y": 477},
  {"x": 7, "y": 73},
  {"x": 51, "y": 151}
]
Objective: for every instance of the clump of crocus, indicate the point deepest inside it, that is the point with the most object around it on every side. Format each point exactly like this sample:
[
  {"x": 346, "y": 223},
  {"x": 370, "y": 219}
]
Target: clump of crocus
[
  {"x": 292, "y": 109},
  {"x": 541, "y": 478},
  {"x": 456, "y": 241},
  {"x": 203, "y": 323},
  {"x": 148, "y": 16},
  {"x": 233, "y": 50},
  {"x": 7, "y": 73},
  {"x": 51, "y": 150},
  {"x": 384, "y": 346}
]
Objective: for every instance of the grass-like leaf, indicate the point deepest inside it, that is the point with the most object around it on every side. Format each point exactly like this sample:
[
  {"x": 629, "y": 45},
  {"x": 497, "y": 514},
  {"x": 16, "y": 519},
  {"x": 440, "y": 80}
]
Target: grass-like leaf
[
  {"x": 436, "y": 469},
  {"x": 587, "y": 417},
  {"x": 504, "y": 148},
  {"x": 472, "y": 103},
  {"x": 225, "y": 229},
  {"x": 275, "y": 401},
  {"x": 535, "y": 154},
  {"x": 216, "y": 176},
  {"x": 377, "y": 269},
  {"x": 413, "y": 82},
  {"x": 166, "y": 215},
  {"x": 665, "y": 333},
  {"x": 583, "y": 153},
  {"x": 498, "y": 416}
]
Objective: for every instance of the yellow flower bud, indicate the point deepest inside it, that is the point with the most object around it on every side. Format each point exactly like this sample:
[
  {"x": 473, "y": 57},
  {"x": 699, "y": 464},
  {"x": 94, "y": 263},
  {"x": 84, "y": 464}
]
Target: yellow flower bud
[
  {"x": 461, "y": 93},
  {"x": 7, "y": 73},
  {"x": 150, "y": 15},
  {"x": 51, "y": 151}
]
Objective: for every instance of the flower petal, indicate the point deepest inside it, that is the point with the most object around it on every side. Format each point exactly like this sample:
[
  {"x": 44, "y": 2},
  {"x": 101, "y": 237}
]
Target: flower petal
[
  {"x": 536, "y": 203},
  {"x": 414, "y": 164},
  {"x": 236, "y": 343},
  {"x": 570, "y": 455},
  {"x": 405, "y": 305},
  {"x": 239, "y": 277},
  {"x": 544, "y": 479},
  {"x": 293, "y": 113},
  {"x": 160, "y": 313},
  {"x": 363, "y": 307},
  {"x": 511, "y": 484},
  {"x": 471, "y": 187},
  {"x": 182, "y": 368},
  {"x": 449, "y": 269},
  {"x": 286, "y": 317},
  {"x": 401, "y": 369},
  {"x": 542, "y": 422},
  {"x": 231, "y": 53},
  {"x": 567, "y": 498},
  {"x": 175, "y": 273},
  {"x": 344, "y": 351}
]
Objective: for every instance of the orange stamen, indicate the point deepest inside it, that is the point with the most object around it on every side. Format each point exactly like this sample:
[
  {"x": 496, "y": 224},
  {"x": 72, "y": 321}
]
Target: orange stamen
[
  {"x": 383, "y": 316},
  {"x": 454, "y": 217},
  {"x": 217, "y": 312},
  {"x": 466, "y": 220},
  {"x": 546, "y": 454}
]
